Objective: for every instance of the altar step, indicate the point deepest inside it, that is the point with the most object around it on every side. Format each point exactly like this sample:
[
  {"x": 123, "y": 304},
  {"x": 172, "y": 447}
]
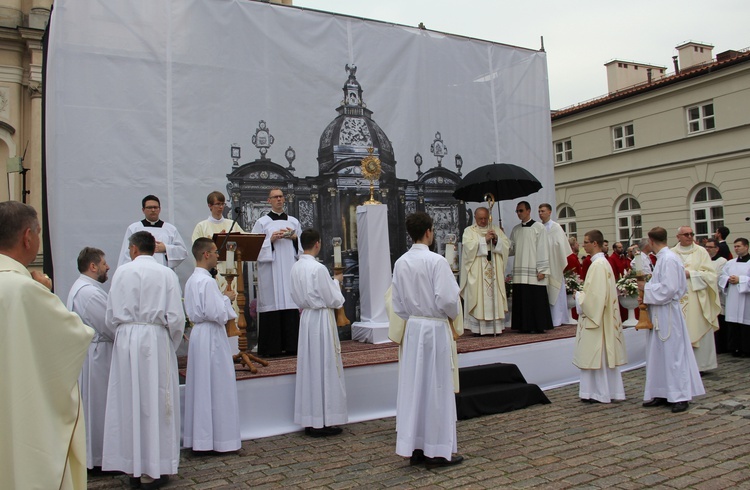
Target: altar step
[{"x": 494, "y": 388}]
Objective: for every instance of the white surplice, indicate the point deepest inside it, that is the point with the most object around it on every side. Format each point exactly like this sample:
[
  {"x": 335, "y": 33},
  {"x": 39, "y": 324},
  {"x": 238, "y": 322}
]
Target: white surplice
[
  {"x": 671, "y": 370},
  {"x": 42, "y": 348},
  {"x": 88, "y": 299},
  {"x": 167, "y": 234},
  {"x": 559, "y": 249},
  {"x": 142, "y": 421},
  {"x": 275, "y": 262},
  {"x": 212, "y": 420},
  {"x": 425, "y": 293},
  {"x": 320, "y": 394},
  {"x": 737, "y": 303}
]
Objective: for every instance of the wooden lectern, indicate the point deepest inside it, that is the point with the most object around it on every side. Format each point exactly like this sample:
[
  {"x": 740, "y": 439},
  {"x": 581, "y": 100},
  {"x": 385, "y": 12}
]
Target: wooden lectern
[{"x": 248, "y": 248}]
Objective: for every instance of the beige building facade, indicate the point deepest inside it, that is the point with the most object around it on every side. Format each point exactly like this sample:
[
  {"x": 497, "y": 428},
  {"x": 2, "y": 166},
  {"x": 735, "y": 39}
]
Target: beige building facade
[{"x": 671, "y": 151}]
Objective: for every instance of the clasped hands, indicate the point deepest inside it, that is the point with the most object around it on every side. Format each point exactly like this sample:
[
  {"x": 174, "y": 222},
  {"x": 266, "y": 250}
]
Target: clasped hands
[
  {"x": 283, "y": 233},
  {"x": 491, "y": 237}
]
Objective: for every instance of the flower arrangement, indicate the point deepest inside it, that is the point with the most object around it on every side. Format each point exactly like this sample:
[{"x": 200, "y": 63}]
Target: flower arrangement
[
  {"x": 573, "y": 282},
  {"x": 627, "y": 285}
]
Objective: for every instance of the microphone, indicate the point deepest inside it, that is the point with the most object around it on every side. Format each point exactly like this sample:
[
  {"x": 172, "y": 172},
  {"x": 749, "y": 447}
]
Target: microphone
[
  {"x": 747, "y": 218},
  {"x": 237, "y": 211}
]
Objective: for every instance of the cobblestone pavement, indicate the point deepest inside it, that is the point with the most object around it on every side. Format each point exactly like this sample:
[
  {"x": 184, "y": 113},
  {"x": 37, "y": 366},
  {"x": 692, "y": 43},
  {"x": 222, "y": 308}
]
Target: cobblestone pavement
[{"x": 567, "y": 444}]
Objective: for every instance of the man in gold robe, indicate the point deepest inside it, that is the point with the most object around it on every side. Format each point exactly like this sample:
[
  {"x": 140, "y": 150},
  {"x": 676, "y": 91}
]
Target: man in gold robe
[
  {"x": 483, "y": 258},
  {"x": 600, "y": 346},
  {"x": 701, "y": 305},
  {"x": 42, "y": 348}
]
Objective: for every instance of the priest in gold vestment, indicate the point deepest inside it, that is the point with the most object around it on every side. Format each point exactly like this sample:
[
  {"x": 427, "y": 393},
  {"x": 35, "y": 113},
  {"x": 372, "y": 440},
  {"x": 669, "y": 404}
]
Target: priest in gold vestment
[
  {"x": 600, "y": 346},
  {"x": 483, "y": 258},
  {"x": 42, "y": 348}
]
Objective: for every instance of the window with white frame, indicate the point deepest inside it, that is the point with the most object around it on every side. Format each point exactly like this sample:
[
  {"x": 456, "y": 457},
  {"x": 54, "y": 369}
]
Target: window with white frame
[
  {"x": 563, "y": 151},
  {"x": 628, "y": 220},
  {"x": 566, "y": 218},
  {"x": 623, "y": 136},
  {"x": 700, "y": 118},
  {"x": 707, "y": 211}
]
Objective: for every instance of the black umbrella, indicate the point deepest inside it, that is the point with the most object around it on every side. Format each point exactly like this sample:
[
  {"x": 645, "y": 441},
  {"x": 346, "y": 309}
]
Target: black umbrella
[{"x": 503, "y": 180}]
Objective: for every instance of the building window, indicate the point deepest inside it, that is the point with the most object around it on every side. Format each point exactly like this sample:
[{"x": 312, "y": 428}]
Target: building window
[
  {"x": 700, "y": 118},
  {"x": 628, "y": 220},
  {"x": 707, "y": 210},
  {"x": 566, "y": 217},
  {"x": 563, "y": 151},
  {"x": 623, "y": 136}
]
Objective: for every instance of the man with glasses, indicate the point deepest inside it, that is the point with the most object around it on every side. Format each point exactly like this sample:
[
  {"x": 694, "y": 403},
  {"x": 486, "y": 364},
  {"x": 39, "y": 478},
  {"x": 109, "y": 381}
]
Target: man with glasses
[
  {"x": 700, "y": 305},
  {"x": 170, "y": 248},
  {"x": 529, "y": 245},
  {"x": 278, "y": 314}
]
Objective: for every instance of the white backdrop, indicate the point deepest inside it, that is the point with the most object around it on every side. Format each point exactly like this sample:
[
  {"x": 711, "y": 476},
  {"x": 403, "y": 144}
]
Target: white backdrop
[{"x": 146, "y": 97}]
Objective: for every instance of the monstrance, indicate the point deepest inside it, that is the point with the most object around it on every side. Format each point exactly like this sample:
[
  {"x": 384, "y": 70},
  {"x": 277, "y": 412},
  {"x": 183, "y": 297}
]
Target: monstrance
[{"x": 371, "y": 171}]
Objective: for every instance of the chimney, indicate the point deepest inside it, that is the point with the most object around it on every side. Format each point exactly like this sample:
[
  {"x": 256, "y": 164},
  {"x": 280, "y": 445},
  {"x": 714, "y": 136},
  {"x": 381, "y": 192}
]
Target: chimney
[
  {"x": 693, "y": 53},
  {"x": 676, "y": 65},
  {"x": 648, "y": 75}
]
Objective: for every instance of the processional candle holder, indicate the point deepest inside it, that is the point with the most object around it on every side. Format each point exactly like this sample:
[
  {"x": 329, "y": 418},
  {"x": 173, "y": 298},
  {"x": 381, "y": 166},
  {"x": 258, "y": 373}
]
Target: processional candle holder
[
  {"x": 371, "y": 171},
  {"x": 450, "y": 251},
  {"x": 338, "y": 269},
  {"x": 644, "y": 322}
]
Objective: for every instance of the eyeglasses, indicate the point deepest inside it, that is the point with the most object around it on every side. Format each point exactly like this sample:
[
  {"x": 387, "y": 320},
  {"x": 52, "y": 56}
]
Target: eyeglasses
[
  {"x": 151, "y": 208},
  {"x": 686, "y": 234},
  {"x": 276, "y": 197},
  {"x": 218, "y": 204}
]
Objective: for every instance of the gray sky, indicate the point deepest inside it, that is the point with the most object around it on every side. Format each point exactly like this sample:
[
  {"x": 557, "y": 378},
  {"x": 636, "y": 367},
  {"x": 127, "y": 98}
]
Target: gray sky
[{"x": 579, "y": 36}]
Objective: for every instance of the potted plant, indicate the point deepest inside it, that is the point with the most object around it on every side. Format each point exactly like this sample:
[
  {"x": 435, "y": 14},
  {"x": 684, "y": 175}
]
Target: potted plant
[{"x": 627, "y": 292}]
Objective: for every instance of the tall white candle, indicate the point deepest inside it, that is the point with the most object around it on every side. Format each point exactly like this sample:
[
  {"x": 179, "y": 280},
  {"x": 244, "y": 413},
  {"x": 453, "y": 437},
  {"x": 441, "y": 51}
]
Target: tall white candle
[
  {"x": 337, "y": 255},
  {"x": 638, "y": 263},
  {"x": 230, "y": 260},
  {"x": 450, "y": 253}
]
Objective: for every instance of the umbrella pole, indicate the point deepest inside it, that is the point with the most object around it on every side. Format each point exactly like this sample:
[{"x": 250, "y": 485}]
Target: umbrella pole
[{"x": 491, "y": 200}]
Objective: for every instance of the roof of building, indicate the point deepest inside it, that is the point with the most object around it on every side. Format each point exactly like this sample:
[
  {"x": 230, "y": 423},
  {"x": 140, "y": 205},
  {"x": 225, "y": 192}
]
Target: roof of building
[{"x": 723, "y": 60}]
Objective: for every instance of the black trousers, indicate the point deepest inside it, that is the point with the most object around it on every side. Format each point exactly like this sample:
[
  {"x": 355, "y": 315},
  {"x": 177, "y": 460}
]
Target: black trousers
[
  {"x": 278, "y": 332},
  {"x": 739, "y": 338},
  {"x": 530, "y": 308}
]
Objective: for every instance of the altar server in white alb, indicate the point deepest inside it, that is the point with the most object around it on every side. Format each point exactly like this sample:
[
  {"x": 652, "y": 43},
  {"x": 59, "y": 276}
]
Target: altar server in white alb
[
  {"x": 170, "y": 248},
  {"x": 672, "y": 376},
  {"x": 212, "y": 420},
  {"x": 559, "y": 249},
  {"x": 735, "y": 281},
  {"x": 278, "y": 314},
  {"x": 88, "y": 299},
  {"x": 425, "y": 294},
  {"x": 145, "y": 316},
  {"x": 320, "y": 394},
  {"x": 701, "y": 305},
  {"x": 42, "y": 348},
  {"x": 600, "y": 346},
  {"x": 483, "y": 258}
]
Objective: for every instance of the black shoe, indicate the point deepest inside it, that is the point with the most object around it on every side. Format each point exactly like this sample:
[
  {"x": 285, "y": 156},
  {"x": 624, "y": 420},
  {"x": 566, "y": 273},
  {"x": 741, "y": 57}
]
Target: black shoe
[
  {"x": 431, "y": 463},
  {"x": 679, "y": 407},
  {"x": 417, "y": 457},
  {"x": 322, "y": 432},
  {"x": 135, "y": 482},
  {"x": 158, "y": 483},
  {"x": 656, "y": 402}
]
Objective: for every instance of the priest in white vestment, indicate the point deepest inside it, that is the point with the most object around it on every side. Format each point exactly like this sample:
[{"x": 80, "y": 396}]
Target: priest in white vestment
[
  {"x": 88, "y": 299},
  {"x": 278, "y": 314},
  {"x": 146, "y": 318},
  {"x": 212, "y": 420},
  {"x": 531, "y": 270},
  {"x": 483, "y": 257},
  {"x": 559, "y": 249},
  {"x": 170, "y": 248},
  {"x": 426, "y": 295},
  {"x": 672, "y": 375},
  {"x": 42, "y": 348},
  {"x": 320, "y": 393},
  {"x": 600, "y": 345},
  {"x": 735, "y": 282},
  {"x": 701, "y": 305}
]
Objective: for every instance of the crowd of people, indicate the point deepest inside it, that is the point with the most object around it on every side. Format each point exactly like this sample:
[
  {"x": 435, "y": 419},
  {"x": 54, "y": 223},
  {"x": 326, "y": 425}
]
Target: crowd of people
[{"x": 109, "y": 358}]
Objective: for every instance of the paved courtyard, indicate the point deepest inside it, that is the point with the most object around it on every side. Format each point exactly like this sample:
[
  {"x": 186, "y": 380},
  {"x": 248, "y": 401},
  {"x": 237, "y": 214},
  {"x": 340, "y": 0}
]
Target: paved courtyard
[{"x": 567, "y": 444}]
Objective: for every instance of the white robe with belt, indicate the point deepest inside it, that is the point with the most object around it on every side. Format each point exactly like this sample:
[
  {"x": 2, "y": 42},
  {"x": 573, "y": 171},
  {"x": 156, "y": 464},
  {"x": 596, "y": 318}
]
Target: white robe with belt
[
  {"x": 88, "y": 299},
  {"x": 320, "y": 393},
  {"x": 142, "y": 420},
  {"x": 212, "y": 420},
  {"x": 671, "y": 370},
  {"x": 425, "y": 294}
]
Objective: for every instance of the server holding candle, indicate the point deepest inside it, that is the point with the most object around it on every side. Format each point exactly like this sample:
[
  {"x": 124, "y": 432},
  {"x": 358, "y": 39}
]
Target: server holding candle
[{"x": 278, "y": 314}]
